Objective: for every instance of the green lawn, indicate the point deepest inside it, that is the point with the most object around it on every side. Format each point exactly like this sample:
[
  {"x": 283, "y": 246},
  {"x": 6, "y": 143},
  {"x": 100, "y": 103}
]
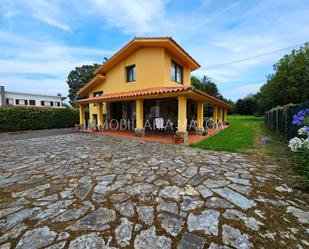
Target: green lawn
[{"x": 242, "y": 135}]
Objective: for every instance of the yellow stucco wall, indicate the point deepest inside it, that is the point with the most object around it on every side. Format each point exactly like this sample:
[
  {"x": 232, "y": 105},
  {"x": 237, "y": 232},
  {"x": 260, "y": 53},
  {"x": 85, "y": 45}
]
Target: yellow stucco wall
[
  {"x": 167, "y": 71},
  {"x": 153, "y": 66}
]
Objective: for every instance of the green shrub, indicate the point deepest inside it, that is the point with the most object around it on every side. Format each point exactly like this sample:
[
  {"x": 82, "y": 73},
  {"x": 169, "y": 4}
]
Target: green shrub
[
  {"x": 301, "y": 162},
  {"x": 33, "y": 118}
]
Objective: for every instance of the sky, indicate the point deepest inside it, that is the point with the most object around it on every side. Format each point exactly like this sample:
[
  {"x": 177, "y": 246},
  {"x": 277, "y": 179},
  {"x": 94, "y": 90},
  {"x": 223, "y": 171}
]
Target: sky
[{"x": 42, "y": 41}]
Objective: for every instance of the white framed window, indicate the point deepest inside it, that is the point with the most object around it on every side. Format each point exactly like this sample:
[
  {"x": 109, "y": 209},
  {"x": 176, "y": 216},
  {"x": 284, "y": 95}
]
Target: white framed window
[
  {"x": 10, "y": 101},
  {"x": 131, "y": 73},
  {"x": 176, "y": 72},
  {"x": 21, "y": 102}
]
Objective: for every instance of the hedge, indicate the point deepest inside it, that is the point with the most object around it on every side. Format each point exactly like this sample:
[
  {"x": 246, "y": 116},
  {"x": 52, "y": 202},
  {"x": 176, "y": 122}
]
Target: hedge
[{"x": 33, "y": 118}]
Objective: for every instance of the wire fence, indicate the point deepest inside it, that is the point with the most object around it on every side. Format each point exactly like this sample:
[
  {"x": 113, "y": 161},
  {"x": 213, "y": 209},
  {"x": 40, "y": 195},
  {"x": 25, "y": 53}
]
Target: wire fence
[{"x": 280, "y": 119}]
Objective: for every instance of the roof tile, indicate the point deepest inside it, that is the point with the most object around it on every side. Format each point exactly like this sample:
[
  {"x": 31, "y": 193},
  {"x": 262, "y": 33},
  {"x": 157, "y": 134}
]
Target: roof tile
[{"x": 147, "y": 91}]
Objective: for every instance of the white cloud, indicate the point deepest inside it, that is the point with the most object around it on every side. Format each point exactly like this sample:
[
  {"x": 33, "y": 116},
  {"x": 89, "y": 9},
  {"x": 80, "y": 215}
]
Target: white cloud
[
  {"x": 214, "y": 33},
  {"x": 260, "y": 28},
  {"x": 247, "y": 89},
  {"x": 8, "y": 12},
  {"x": 133, "y": 16},
  {"x": 46, "y": 86},
  {"x": 50, "y": 60},
  {"x": 49, "y": 12},
  {"x": 241, "y": 90}
]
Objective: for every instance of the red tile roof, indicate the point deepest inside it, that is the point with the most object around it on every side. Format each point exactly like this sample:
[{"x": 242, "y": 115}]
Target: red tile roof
[
  {"x": 147, "y": 39},
  {"x": 149, "y": 91}
]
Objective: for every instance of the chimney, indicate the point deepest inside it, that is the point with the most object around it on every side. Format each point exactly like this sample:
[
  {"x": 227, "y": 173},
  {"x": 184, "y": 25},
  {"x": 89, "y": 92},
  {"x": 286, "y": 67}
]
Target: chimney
[
  {"x": 59, "y": 94},
  {"x": 2, "y": 96}
]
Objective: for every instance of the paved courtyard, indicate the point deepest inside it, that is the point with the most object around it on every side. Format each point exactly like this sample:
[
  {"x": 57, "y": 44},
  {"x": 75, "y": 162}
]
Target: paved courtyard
[{"x": 94, "y": 191}]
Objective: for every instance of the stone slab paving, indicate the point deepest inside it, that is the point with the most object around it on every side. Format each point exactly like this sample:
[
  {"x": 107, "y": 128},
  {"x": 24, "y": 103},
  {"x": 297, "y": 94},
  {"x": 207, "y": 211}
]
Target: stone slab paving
[
  {"x": 93, "y": 191},
  {"x": 20, "y": 135}
]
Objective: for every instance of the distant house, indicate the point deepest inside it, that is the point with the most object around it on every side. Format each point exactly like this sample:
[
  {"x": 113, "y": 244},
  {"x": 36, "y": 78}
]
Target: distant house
[{"x": 9, "y": 98}]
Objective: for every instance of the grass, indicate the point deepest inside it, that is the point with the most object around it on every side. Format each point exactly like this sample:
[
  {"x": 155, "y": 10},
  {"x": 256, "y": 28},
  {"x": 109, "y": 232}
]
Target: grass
[
  {"x": 243, "y": 136},
  {"x": 239, "y": 137}
]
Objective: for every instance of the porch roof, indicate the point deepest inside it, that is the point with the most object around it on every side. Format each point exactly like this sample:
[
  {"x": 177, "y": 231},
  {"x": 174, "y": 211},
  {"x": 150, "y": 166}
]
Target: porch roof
[{"x": 157, "y": 92}]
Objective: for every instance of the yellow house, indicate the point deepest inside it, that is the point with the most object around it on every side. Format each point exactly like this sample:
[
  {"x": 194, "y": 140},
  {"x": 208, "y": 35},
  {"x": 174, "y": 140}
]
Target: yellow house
[{"x": 147, "y": 82}]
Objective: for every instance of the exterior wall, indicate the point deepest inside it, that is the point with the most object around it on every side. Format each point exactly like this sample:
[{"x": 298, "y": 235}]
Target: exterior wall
[
  {"x": 94, "y": 109},
  {"x": 149, "y": 72},
  {"x": 153, "y": 66},
  {"x": 37, "y": 98},
  {"x": 167, "y": 72}
]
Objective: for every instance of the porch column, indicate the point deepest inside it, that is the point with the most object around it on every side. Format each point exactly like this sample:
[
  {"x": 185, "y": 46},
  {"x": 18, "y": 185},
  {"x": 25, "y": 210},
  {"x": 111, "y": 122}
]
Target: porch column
[
  {"x": 139, "y": 130},
  {"x": 182, "y": 114},
  {"x": 215, "y": 115},
  {"x": 100, "y": 115},
  {"x": 200, "y": 118},
  {"x": 82, "y": 116},
  {"x": 91, "y": 119},
  {"x": 182, "y": 118},
  {"x": 225, "y": 114},
  {"x": 220, "y": 114}
]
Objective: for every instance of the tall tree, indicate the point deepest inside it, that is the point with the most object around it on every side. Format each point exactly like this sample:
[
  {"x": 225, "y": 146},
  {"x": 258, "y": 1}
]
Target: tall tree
[
  {"x": 78, "y": 77},
  {"x": 289, "y": 83},
  {"x": 246, "y": 106},
  {"x": 206, "y": 85},
  {"x": 210, "y": 87},
  {"x": 196, "y": 82}
]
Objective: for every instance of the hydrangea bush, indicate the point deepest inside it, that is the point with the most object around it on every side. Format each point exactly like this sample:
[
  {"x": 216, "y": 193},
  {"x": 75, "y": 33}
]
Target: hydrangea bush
[
  {"x": 301, "y": 142},
  {"x": 300, "y": 145}
]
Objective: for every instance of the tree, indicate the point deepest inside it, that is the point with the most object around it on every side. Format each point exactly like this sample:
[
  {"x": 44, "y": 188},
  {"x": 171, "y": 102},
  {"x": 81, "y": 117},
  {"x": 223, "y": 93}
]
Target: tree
[
  {"x": 210, "y": 87},
  {"x": 205, "y": 85},
  {"x": 78, "y": 77},
  {"x": 196, "y": 82},
  {"x": 246, "y": 106},
  {"x": 289, "y": 83}
]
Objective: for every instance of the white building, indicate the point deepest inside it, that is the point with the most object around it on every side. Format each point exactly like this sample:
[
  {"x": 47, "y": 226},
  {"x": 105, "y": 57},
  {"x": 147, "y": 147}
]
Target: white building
[{"x": 29, "y": 99}]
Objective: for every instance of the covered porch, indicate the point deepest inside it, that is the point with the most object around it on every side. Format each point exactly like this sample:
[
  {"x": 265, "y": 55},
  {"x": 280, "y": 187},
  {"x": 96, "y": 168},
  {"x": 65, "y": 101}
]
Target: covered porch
[
  {"x": 166, "y": 115},
  {"x": 167, "y": 138}
]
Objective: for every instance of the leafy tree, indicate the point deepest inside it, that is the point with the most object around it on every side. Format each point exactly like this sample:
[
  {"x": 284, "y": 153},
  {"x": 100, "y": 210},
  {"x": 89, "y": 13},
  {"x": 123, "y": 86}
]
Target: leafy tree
[
  {"x": 289, "y": 83},
  {"x": 78, "y": 77},
  {"x": 246, "y": 106},
  {"x": 210, "y": 87},
  {"x": 196, "y": 82},
  {"x": 205, "y": 85}
]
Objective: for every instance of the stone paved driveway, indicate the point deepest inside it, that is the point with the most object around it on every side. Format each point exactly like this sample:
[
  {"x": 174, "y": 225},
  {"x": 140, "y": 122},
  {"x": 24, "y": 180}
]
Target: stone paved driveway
[{"x": 88, "y": 191}]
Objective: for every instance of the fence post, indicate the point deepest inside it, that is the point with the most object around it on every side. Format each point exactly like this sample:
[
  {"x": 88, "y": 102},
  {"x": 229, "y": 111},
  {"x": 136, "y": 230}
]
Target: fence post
[{"x": 277, "y": 118}]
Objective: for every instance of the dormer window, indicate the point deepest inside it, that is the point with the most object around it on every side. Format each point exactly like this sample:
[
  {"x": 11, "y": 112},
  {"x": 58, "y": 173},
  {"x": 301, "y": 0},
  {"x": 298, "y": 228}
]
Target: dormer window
[
  {"x": 131, "y": 73},
  {"x": 176, "y": 72},
  {"x": 98, "y": 94}
]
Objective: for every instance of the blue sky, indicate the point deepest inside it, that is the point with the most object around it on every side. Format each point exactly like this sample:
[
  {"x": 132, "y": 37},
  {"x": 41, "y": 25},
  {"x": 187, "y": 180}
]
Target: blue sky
[{"x": 42, "y": 41}]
